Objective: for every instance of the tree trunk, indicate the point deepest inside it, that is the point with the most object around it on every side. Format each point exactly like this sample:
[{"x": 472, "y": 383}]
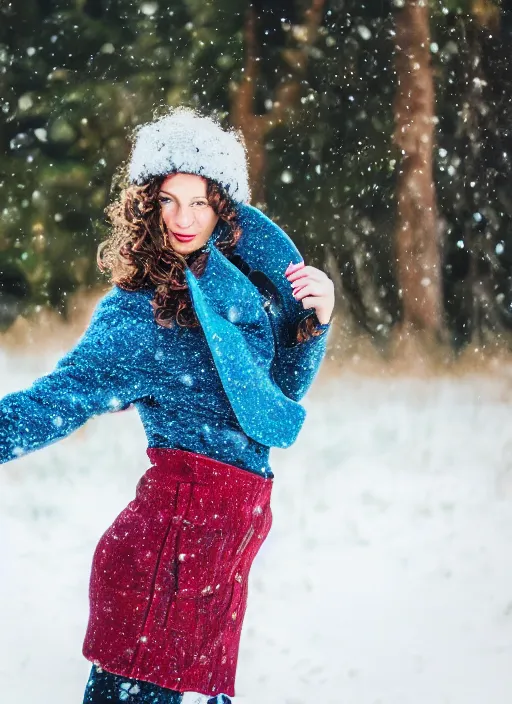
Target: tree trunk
[
  {"x": 254, "y": 127},
  {"x": 417, "y": 248},
  {"x": 242, "y": 111}
]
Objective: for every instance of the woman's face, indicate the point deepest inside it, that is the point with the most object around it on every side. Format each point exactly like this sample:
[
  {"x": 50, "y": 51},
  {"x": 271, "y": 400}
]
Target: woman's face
[{"x": 187, "y": 216}]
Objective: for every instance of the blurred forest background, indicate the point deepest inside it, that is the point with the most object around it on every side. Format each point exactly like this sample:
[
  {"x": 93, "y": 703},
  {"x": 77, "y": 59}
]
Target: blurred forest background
[{"x": 378, "y": 132}]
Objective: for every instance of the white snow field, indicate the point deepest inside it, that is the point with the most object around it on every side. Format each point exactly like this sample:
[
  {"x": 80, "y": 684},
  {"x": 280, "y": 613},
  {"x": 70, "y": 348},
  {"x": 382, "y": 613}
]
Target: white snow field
[{"x": 386, "y": 578}]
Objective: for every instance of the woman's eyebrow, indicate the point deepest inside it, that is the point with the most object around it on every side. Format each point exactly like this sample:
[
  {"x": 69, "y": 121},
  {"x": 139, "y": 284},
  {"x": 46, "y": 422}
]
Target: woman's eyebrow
[{"x": 173, "y": 196}]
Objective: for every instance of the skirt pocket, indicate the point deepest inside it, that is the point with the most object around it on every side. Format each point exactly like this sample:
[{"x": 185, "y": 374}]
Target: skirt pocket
[{"x": 201, "y": 565}]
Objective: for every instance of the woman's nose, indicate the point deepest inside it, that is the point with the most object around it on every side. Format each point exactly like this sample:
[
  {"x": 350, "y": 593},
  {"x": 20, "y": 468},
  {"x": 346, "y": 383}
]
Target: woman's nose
[{"x": 184, "y": 217}]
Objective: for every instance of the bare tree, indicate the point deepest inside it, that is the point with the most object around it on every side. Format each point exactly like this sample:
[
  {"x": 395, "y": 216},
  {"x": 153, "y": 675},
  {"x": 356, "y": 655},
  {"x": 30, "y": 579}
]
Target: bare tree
[
  {"x": 242, "y": 114},
  {"x": 417, "y": 248}
]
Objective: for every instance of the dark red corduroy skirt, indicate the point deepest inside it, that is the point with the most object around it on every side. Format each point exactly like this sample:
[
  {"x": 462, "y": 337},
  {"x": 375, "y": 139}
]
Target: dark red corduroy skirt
[{"x": 168, "y": 586}]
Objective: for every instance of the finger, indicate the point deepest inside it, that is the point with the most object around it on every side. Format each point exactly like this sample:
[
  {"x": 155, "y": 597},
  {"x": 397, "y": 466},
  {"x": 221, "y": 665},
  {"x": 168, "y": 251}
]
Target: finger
[
  {"x": 300, "y": 280},
  {"x": 308, "y": 281},
  {"x": 308, "y": 290},
  {"x": 310, "y": 302},
  {"x": 305, "y": 271},
  {"x": 293, "y": 267},
  {"x": 296, "y": 289},
  {"x": 322, "y": 287}
]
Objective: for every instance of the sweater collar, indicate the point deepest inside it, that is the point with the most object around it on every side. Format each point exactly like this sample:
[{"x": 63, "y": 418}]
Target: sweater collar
[{"x": 236, "y": 325}]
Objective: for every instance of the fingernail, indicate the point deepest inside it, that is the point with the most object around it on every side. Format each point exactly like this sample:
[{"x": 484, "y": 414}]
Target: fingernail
[{"x": 293, "y": 267}]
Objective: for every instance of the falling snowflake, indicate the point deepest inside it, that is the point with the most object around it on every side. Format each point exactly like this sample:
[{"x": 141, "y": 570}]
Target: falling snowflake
[
  {"x": 149, "y": 8},
  {"x": 364, "y": 32}
]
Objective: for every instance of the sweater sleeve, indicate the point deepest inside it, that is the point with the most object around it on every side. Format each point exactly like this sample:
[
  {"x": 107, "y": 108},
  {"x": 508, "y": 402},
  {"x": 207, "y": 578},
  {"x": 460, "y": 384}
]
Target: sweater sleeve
[
  {"x": 296, "y": 364},
  {"x": 268, "y": 250},
  {"x": 105, "y": 371}
]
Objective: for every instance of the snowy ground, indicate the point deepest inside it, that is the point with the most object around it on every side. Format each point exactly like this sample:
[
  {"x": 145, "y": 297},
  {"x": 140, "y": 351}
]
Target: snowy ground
[{"x": 386, "y": 579}]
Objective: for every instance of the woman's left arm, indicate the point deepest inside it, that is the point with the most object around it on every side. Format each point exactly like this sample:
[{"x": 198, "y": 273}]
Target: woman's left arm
[
  {"x": 314, "y": 288},
  {"x": 297, "y": 361}
]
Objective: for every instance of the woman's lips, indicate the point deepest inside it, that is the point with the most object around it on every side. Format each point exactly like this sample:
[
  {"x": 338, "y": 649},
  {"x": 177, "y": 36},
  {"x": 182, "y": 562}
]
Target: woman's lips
[{"x": 183, "y": 238}]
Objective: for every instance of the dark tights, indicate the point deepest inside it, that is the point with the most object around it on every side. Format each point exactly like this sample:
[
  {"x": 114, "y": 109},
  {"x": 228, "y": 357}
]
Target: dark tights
[{"x": 105, "y": 688}]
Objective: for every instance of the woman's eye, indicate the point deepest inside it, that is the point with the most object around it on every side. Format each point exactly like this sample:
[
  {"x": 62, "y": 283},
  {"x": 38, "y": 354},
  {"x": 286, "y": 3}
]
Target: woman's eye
[
  {"x": 199, "y": 203},
  {"x": 162, "y": 199}
]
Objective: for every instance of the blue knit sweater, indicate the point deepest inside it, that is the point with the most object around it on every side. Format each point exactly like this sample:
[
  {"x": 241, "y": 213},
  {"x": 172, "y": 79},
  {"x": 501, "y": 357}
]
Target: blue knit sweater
[{"x": 168, "y": 374}]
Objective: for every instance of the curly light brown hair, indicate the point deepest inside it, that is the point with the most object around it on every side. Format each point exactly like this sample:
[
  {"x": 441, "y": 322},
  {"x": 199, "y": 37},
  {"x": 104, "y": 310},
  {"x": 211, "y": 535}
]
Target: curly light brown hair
[{"x": 138, "y": 255}]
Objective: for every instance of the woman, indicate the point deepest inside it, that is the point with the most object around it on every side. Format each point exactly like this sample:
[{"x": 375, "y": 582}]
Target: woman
[{"x": 214, "y": 330}]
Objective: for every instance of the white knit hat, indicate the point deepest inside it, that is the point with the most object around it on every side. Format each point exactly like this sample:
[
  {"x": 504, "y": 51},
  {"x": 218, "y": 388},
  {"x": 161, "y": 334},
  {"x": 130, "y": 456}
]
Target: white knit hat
[{"x": 186, "y": 142}]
